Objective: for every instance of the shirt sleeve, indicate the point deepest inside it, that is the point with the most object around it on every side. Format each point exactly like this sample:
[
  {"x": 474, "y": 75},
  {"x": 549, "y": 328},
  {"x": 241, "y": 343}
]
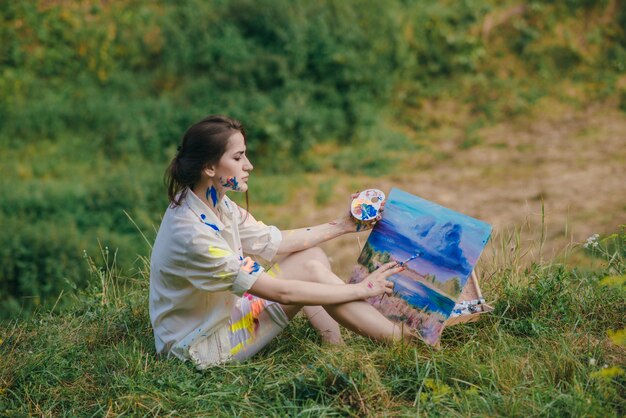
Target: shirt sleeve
[
  {"x": 258, "y": 238},
  {"x": 212, "y": 266}
]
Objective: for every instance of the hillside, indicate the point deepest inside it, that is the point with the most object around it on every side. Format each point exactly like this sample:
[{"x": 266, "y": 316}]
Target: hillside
[{"x": 511, "y": 112}]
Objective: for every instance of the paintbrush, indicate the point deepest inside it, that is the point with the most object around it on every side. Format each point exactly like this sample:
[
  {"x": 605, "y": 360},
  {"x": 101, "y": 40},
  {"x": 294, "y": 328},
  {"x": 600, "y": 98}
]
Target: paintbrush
[
  {"x": 413, "y": 257},
  {"x": 402, "y": 263}
]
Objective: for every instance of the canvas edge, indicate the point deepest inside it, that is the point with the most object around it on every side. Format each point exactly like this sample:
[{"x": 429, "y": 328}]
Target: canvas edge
[{"x": 473, "y": 317}]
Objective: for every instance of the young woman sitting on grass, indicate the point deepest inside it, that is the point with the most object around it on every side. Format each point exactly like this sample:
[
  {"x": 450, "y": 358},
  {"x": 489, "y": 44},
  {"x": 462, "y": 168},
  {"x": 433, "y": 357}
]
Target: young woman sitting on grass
[{"x": 209, "y": 301}]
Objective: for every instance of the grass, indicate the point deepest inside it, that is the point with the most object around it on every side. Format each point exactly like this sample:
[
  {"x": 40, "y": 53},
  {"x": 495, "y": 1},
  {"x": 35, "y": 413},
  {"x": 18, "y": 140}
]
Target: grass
[{"x": 540, "y": 353}]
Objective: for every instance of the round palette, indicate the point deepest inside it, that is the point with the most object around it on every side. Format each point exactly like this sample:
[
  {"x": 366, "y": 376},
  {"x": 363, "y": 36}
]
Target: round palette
[{"x": 366, "y": 205}]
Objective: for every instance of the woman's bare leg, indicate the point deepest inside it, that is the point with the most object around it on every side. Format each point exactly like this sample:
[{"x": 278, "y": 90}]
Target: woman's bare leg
[
  {"x": 291, "y": 268},
  {"x": 358, "y": 316}
]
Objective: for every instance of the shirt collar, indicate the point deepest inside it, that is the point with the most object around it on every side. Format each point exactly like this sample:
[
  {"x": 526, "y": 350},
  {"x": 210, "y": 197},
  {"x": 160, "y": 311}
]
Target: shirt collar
[{"x": 203, "y": 212}]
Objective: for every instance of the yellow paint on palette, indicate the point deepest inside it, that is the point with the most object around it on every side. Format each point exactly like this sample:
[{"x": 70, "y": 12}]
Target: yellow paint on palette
[{"x": 219, "y": 252}]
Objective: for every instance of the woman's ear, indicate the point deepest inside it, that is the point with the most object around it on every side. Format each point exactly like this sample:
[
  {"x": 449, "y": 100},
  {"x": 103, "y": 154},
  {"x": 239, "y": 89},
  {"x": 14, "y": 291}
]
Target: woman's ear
[{"x": 209, "y": 170}]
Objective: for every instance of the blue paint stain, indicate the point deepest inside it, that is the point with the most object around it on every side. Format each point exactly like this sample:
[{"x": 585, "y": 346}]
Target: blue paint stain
[
  {"x": 255, "y": 267},
  {"x": 212, "y": 192},
  {"x": 203, "y": 217},
  {"x": 231, "y": 183}
]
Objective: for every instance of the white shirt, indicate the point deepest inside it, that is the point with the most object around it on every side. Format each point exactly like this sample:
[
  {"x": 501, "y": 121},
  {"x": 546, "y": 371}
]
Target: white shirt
[{"x": 197, "y": 269}]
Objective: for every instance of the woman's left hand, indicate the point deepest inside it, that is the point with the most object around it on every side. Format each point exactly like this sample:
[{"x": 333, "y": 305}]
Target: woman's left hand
[{"x": 356, "y": 225}]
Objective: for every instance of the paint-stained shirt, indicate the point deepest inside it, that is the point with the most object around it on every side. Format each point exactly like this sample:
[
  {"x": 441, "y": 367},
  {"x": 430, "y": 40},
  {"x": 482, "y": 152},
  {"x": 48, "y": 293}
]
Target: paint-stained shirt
[{"x": 199, "y": 266}]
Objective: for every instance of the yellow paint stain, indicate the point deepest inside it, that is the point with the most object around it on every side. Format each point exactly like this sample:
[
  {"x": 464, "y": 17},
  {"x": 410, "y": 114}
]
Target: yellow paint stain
[
  {"x": 234, "y": 350},
  {"x": 247, "y": 323},
  {"x": 275, "y": 270},
  {"x": 219, "y": 252}
]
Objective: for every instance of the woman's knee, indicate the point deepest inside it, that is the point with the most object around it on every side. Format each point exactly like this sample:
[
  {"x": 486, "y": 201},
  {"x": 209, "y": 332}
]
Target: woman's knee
[
  {"x": 320, "y": 272},
  {"x": 316, "y": 254},
  {"x": 315, "y": 267}
]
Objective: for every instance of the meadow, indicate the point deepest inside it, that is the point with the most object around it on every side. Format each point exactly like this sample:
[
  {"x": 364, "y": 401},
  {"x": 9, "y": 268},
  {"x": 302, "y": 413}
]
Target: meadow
[
  {"x": 511, "y": 113},
  {"x": 552, "y": 347}
]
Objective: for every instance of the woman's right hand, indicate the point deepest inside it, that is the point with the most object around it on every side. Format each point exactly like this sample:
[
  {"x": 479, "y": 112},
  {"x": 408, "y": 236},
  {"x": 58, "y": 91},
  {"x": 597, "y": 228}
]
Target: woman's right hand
[{"x": 376, "y": 282}]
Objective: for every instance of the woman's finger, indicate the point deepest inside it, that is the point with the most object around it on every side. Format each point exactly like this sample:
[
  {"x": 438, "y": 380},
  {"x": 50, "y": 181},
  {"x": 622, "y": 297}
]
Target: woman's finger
[
  {"x": 392, "y": 271},
  {"x": 387, "y": 266}
]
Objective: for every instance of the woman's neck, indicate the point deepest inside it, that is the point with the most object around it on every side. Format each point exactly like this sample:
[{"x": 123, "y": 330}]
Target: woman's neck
[{"x": 211, "y": 194}]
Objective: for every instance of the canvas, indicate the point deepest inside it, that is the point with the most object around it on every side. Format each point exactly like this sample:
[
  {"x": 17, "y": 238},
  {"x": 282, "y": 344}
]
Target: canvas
[{"x": 440, "y": 248}]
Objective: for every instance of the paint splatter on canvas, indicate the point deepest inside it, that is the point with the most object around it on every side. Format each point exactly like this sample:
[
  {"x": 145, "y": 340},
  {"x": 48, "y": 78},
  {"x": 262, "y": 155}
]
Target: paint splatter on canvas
[{"x": 447, "y": 244}]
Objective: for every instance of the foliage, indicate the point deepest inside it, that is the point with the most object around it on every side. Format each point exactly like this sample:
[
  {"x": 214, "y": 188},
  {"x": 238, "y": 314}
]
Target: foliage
[{"x": 296, "y": 72}]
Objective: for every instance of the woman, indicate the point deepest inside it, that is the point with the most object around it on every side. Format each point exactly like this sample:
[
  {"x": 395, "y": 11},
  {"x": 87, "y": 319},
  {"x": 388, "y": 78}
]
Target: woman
[{"x": 209, "y": 301}]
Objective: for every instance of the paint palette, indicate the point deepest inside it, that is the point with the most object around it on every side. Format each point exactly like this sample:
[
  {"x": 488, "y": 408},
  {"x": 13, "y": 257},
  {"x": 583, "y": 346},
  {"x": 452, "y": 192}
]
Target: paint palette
[{"x": 366, "y": 205}]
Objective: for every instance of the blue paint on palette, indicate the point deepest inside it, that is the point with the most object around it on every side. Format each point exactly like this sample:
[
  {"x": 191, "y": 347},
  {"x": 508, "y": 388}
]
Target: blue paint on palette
[{"x": 367, "y": 211}]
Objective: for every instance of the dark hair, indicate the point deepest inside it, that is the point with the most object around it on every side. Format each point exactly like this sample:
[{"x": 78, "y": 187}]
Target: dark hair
[{"x": 203, "y": 145}]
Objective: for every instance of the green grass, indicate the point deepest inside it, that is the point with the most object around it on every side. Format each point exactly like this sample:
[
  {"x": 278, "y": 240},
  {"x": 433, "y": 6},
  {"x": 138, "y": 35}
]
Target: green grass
[{"x": 540, "y": 353}]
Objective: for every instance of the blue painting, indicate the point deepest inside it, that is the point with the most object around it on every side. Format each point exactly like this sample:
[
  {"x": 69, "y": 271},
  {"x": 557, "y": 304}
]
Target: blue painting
[{"x": 440, "y": 248}]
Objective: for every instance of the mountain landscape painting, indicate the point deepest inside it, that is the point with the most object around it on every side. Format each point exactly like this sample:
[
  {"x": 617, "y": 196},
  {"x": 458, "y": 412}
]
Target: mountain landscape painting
[{"x": 439, "y": 247}]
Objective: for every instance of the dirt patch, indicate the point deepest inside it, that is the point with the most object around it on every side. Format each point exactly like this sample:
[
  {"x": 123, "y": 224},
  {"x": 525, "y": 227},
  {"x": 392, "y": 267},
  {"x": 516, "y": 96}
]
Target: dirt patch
[{"x": 573, "y": 164}]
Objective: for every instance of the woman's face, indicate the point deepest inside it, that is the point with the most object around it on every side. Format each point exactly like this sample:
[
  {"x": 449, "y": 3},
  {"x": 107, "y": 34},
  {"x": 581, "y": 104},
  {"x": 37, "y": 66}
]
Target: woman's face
[{"x": 233, "y": 168}]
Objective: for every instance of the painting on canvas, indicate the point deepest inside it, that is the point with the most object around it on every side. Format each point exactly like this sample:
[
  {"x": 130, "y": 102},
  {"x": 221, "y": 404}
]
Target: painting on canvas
[{"x": 443, "y": 247}]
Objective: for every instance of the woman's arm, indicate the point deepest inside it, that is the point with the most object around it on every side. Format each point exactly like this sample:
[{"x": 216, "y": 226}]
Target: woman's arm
[
  {"x": 300, "y": 239},
  {"x": 303, "y": 238},
  {"x": 295, "y": 292}
]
